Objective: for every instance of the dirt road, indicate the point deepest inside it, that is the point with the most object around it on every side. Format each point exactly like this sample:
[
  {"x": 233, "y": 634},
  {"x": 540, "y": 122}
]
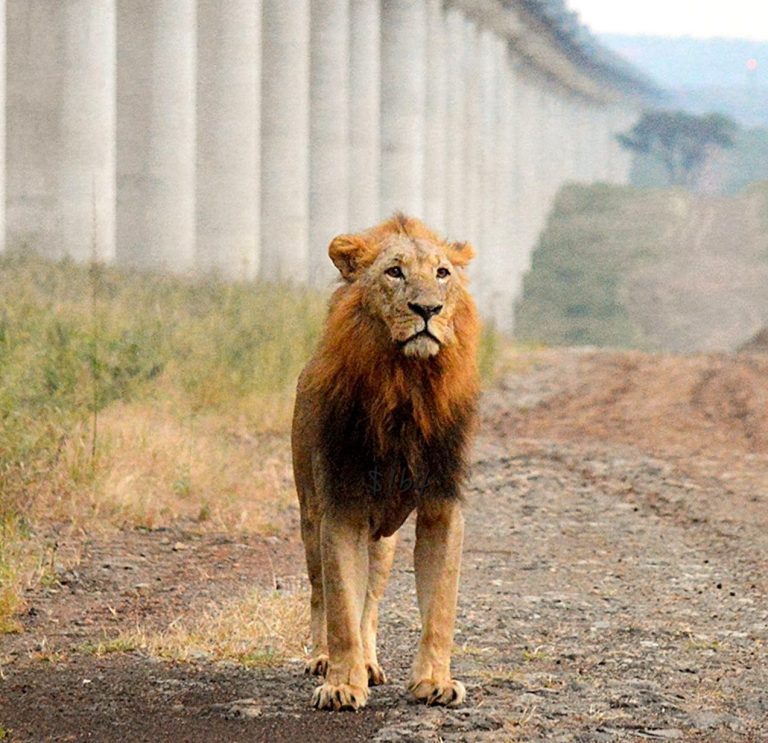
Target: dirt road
[{"x": 614, "y": 584}]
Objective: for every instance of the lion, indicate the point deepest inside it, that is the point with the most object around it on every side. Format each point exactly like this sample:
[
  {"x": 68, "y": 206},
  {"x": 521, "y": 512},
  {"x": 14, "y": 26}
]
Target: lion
[{"x": 382, "y": 424}]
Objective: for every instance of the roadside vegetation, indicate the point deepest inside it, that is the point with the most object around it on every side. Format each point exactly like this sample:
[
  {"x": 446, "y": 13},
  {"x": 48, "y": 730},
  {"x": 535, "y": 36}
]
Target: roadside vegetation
[
  {"x": 131, "y": 400},
  {"x": 136, "y": 401},
  {"x": 648, "y": 268}
]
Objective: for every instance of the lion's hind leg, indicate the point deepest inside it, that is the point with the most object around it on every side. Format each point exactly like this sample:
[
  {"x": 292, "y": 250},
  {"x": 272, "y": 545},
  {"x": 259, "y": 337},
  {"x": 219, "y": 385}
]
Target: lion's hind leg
[{"x": 381, "y": 553}]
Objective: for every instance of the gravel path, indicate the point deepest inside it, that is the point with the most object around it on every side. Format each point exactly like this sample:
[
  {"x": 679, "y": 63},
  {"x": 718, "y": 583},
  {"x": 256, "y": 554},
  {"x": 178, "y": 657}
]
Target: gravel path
[{"x": 611, "y": 591}]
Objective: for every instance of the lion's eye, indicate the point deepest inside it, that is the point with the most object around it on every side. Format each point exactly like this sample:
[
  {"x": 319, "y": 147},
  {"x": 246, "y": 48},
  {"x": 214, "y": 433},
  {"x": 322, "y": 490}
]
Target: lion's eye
[
  {"x": 443, "y": 273},
  {"x": 395, "y": 272}
]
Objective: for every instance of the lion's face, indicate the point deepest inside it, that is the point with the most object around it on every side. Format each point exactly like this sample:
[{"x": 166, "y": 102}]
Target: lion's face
[
  {"x": 409, "y": 279},
  {"x": 413, "y": 288}
]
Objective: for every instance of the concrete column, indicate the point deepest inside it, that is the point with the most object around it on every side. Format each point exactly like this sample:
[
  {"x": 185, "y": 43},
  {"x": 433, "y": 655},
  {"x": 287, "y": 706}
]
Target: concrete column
[
  {"x": 436, "y": 143},
  {"x": 586, "y": 142},
  {"x": 472, "y": 134},
  {"x": 3, "y": 47},
  {"x": 600, "y": 124},
  {"x": 455, "y": 123},
  {"x": 524, "y": 156},
  {"x": 507, "y": 279},
  {"x": 571, "y": 131},
  {"x": 156, "y": 46},
  {"x": 285, "y": 140},
  {"x": 537, "y": 163},
  {"x": 61, "y": 119},
  {"x": 621, "y": 162},
  {"x": 488, "y": 263},
  {"x": 364, "y": 113},
  {"x": 403, "y": 98},
  {"x": 329, "y": 133},
  {"x": 228, "y": 95}
]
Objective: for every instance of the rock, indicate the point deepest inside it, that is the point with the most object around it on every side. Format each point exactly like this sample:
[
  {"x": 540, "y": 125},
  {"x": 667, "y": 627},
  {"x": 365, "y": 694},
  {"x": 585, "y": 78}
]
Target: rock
[
  {"x": 664, "y": 734},
  {"x": 240, "y": 709}
]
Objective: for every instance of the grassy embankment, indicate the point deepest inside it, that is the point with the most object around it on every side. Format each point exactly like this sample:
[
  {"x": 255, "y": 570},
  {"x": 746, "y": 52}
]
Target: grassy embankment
[
  {"x": 596, "y": 236},
  {"x": 129, "y": 400},
  {"x": 634, "y": 268}
]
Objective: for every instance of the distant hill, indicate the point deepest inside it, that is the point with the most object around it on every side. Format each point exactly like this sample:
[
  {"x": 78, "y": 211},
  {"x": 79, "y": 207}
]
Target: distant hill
[
  {"x": 655, "y": 269},
  {"x": 704, "y": 75}
]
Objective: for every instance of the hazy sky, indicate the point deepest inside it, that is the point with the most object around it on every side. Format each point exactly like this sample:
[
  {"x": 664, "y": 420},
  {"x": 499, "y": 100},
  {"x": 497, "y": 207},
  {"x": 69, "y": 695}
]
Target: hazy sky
[{"x": 746, "y": 19}]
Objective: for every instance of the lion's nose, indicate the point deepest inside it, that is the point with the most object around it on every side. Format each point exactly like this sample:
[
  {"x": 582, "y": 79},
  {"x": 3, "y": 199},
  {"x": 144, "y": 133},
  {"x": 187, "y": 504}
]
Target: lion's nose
[{"x": 425, "y": 310}]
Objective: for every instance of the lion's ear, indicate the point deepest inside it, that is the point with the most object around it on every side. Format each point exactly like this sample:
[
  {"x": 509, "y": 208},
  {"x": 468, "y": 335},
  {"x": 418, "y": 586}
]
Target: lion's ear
[
  {"x": 460, "y": 253},
  {"x": 347, "y": 252}
]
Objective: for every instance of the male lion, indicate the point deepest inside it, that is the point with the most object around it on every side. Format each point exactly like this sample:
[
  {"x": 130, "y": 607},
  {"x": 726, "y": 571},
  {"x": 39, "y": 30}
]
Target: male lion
[{"x": 381, "y": 427}]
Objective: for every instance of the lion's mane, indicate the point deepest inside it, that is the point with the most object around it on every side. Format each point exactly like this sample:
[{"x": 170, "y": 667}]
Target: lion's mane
[{"x": 387, "y": 420}]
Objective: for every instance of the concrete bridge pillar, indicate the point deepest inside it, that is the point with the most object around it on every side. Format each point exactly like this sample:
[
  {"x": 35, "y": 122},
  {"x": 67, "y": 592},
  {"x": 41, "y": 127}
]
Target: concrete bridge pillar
[
  {"x": 403, "y": 98},
  {"x": 455, "y": 182},
  {"x": 156, "y": 51},
  {"x": 285, "y": 140},
  {"x": 61, "y": 118},
  {"x": 572, "y": 123},
  {"x": 329, "y": 133},
  {"x": 506, "y": 276},
  {"x": 364, "y": 113},
  {"x": 472, "y": 135},
  {"x": 488, "y": 263},
  {"x": 436, "y": 133},
  {"x": 228, "y": 93},
  {"x": 524, "y": 157},
  {"x": 3, "y": 47},
  {"x": 603, "y": 148}
]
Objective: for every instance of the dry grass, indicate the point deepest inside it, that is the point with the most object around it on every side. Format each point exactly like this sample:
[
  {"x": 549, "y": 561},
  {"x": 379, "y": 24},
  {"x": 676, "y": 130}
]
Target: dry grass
[
  {"x": 261, "y": 629},
  {"x": 155, "y": 468},
  {"x": 133, "y": 400}
]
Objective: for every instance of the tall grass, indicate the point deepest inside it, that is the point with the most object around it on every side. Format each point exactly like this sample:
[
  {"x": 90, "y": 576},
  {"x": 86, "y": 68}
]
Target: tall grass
[
  {"x": 119, "y": 388},
  {"x": 138, "y": 400},
  {"x": 74, "y": 341}
]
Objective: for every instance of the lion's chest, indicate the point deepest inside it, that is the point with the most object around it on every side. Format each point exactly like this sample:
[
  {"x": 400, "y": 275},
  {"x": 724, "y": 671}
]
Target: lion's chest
[{"x": 390, "y": 478}]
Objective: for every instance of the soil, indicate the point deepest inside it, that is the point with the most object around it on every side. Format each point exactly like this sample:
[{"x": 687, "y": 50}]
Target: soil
[{"x": 614, "y": 584}]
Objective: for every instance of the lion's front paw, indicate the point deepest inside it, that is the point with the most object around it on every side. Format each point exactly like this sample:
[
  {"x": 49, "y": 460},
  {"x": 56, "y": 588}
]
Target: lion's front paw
[
  {"x": 449, "y": 693},
  {"x": 376, "y": 675},
  {"x": 318, "y": 666},
  {"x": 341, "y": 696}
]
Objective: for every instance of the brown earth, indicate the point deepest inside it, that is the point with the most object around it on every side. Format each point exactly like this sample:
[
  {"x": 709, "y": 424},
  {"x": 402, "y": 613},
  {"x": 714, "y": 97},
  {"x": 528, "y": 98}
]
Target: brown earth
[{"x": 614, "y": 584}]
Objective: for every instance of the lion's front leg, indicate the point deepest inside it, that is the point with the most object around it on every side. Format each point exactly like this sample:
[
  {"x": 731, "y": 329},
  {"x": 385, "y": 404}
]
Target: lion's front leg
[
  {"x": 437, "y": 560},
  {"x": 381, "y": 553},
  {"x": 310, "y": 532},
  {"x": 344, "y": 550}
]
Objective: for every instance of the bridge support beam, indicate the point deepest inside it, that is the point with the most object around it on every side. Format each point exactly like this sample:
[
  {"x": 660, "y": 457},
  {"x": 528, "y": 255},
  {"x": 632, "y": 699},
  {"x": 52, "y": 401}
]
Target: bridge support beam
[
  {"x": 364, "y": 113},
  {"x": 505, "y": 278},
  {"x": 403, "y": 94},
  {"x": 3, "y": 47},
  {"x": 329, "y": 132},
  {"x": 285, "y": 141},
  {"x": 61, "y": 118},
  {"x": 156, "y": 45},
  {"x": 436, "y": 140},
  {"x": 455, "y": 182},
  {"x": 228, "y": 147}
]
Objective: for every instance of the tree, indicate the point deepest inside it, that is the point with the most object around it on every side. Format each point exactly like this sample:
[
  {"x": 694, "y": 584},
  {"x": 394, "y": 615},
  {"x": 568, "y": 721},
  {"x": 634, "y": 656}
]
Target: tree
[{"x": 681, "y": 141}]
